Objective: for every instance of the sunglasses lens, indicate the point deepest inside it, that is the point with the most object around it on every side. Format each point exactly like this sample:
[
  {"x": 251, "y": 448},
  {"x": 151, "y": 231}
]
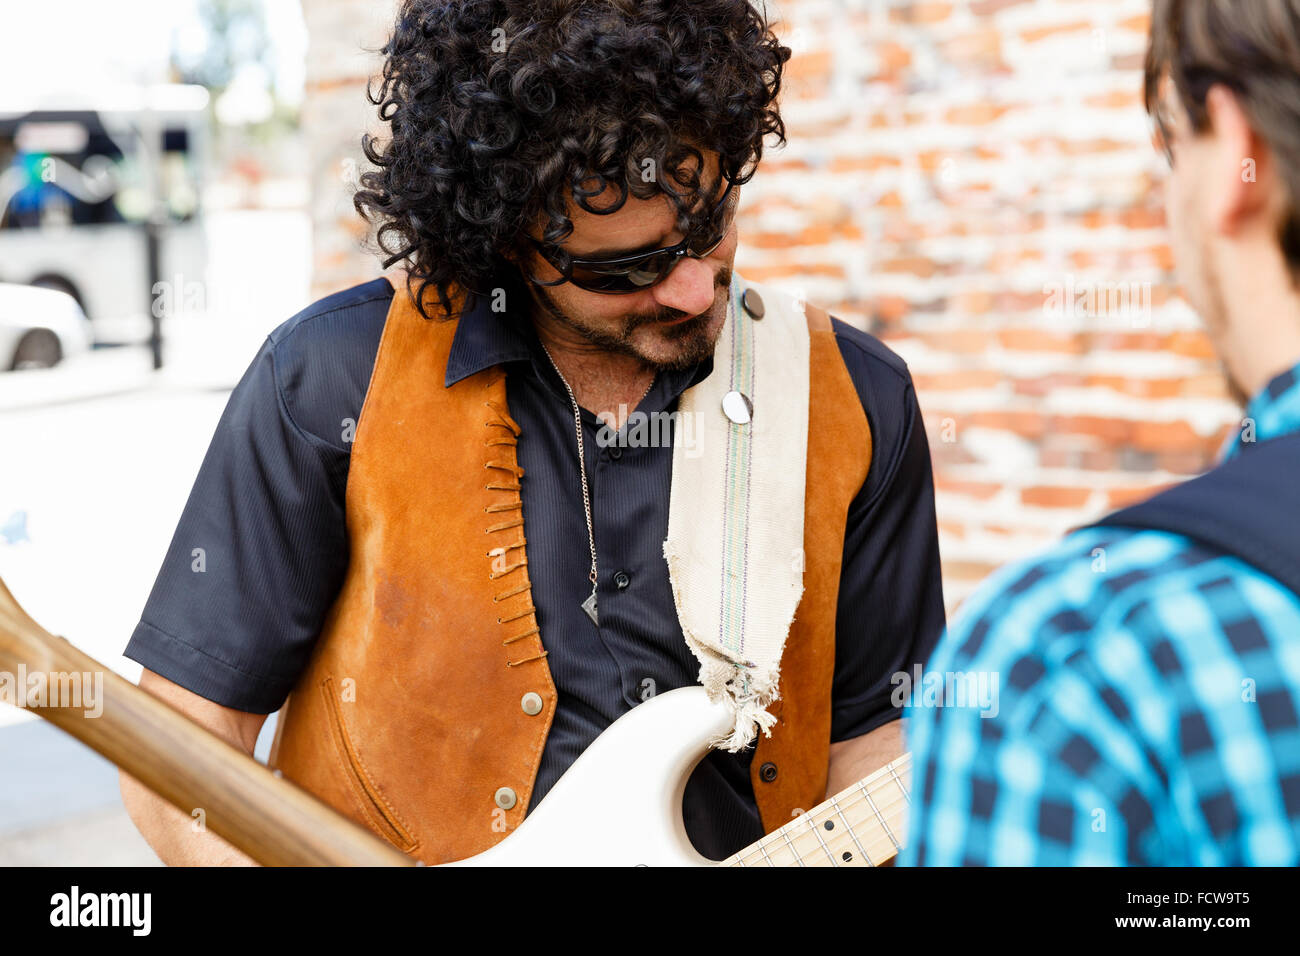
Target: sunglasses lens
[
  {"x": 708, "y": 242},
  {"x": 625, "y": 278},
  {"x": 711, "y": 237}
]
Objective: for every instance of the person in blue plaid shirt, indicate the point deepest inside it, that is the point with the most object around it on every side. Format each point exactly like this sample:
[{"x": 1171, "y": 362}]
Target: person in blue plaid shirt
[{"x": 1145, "y": 673}]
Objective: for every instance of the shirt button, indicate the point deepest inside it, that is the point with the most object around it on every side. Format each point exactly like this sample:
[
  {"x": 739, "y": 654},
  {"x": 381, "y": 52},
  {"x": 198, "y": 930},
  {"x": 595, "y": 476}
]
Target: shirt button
[
  {"x": 622, "y": 580},
  {"x": 752, "y": 303},
  {"x": 531, "y": 704},
  {"x": 505, "y": 798},
  {"x": 615, "y": 452}
]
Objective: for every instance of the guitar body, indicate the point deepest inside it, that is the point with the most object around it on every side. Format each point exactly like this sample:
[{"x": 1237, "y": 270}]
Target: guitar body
[{"x": 620, "y": 803}]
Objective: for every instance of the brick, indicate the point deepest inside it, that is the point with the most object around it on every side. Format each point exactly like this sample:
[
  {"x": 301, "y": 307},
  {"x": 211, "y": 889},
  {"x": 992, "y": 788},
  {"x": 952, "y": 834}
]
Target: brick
[
  {"x": 923, "y": 12},
  {"x": 1138, "y": 23},
  {"x": 1057, "y": 29},
  {"x": 912, "y": 265},
  {"x": 961, "y": 341},
  {"x": 1055, "y": 496},
  {"x": 892, "y": 58},
  {"x": 1038, "y": 340},
  {"x": 1122, "y": 497},
  {"x": 848, "y": 164},
  {"x": 956, "y": 380},
  {"x": 1175, "y": 436},
  {"x": 982, "y": 48},
  {"x": 987, "y": 8},
  {"x": 976, "y": 114},
  {"x": 807, "y": 64},
  {"x": 983, "y": 490},
  {"x": 1109, "y": 430},
  {"x": 1025, "y": 423}
]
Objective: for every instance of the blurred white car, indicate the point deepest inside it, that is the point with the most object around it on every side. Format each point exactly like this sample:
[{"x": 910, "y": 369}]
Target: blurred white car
[{"x": 39, "y": 327}]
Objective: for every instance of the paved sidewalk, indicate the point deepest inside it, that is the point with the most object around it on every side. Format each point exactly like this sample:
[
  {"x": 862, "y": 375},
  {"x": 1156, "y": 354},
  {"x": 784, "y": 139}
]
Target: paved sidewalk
[{"x": 60, "y": 804}]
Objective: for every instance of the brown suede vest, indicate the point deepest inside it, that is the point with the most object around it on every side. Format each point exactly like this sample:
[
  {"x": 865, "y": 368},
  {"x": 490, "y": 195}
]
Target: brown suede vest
[{"x": 408, "y": 718}]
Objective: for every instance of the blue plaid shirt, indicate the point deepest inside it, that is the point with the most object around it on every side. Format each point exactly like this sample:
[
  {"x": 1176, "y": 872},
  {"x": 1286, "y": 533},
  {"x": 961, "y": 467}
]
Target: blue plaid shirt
[{"x": 1147, "y": 691}]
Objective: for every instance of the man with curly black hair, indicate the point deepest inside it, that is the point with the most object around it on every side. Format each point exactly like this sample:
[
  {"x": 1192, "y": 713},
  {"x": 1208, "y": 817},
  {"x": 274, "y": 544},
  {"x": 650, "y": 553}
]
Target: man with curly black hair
[{"x": 568, "y": 460}]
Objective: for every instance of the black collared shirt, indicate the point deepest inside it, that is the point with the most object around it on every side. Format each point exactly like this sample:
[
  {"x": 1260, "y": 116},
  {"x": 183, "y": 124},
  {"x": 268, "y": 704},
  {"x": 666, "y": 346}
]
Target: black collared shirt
[{"x": 267, "y": 510}]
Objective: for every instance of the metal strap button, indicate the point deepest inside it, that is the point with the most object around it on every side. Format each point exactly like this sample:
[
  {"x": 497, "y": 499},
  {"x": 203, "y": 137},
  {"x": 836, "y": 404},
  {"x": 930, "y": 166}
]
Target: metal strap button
[{"x": 738, "y": 407}]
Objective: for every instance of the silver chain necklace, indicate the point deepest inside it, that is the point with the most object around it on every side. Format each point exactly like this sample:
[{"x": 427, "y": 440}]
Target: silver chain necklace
[{"x": 589, "y": 605}]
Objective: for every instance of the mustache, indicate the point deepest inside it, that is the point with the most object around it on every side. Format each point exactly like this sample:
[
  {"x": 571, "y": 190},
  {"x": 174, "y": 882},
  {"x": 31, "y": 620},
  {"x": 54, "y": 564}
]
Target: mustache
[{"x": 721, "y": 281}]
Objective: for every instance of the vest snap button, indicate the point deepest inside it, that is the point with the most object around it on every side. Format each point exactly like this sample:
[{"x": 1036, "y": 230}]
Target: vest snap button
[
  {"x": 767, "y": 772},
  {"x": 531, "y": 703},
  {"x": 505, "y": 798}
]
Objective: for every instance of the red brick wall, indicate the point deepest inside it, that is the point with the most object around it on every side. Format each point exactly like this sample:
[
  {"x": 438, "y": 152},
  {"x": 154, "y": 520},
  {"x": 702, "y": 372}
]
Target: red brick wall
[{"x": 973, "y": 181}]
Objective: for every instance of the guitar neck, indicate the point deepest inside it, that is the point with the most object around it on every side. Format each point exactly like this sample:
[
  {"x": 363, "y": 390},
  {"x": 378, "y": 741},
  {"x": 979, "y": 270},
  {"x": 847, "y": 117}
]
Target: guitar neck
[{"x": 861, "y": 826}]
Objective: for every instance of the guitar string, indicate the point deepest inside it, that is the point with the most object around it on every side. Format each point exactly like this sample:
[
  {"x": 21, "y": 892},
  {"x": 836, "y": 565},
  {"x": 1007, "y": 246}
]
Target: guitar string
[
  {"x": 829, "y": 851},
  {"x": 840, "y": 839},
  {"x": 886, "y": 775},
  {"x": 880, "y": 848},
  {"x": 892, "y": 813},
  {"x": 860, "y": 794}
]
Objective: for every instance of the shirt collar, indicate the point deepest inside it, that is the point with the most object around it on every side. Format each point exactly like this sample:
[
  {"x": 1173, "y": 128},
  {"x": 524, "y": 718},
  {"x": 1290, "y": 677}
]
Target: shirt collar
[
  {"x": 486, "y": 336},
  {"x": 1274, "y": 412}
]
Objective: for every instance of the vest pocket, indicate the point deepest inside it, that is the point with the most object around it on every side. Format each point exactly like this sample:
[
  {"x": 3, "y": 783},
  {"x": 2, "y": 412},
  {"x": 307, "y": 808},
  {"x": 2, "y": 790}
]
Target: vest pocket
[{"x": 379, "y": 815}]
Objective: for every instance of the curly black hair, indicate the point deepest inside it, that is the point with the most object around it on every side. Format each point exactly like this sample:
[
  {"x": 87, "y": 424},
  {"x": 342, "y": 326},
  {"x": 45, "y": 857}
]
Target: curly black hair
[{"x": 502, "y": 112}]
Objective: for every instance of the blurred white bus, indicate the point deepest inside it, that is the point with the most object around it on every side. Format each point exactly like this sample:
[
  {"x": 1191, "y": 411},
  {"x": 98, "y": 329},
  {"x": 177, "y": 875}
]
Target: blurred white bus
[{"x": 79, "y": 180}]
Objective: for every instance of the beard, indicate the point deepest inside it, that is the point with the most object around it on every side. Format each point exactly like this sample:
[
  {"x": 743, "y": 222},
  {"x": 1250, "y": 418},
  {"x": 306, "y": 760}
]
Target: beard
[{"x": 690, "y": 341}]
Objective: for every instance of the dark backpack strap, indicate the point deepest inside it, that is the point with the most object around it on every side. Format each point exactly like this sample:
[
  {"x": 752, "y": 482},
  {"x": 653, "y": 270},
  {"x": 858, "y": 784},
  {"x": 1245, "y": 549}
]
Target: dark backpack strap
[{"x": 1248, "y": 507}]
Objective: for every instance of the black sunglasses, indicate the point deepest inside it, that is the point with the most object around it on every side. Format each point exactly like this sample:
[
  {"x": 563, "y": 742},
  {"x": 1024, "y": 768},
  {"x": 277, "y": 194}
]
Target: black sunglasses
[{"x": 624, "y": 275}]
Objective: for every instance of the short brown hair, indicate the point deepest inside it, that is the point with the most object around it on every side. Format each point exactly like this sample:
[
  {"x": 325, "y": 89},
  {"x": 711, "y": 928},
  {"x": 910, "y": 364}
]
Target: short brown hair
[{"x": 1251, "y": 47}]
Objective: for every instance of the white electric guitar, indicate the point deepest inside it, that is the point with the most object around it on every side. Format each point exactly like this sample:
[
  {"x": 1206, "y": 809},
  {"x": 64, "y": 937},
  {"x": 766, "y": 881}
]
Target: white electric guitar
[
  {"x": 630, "y": 782},
  {"x": 620, "y": 804}
]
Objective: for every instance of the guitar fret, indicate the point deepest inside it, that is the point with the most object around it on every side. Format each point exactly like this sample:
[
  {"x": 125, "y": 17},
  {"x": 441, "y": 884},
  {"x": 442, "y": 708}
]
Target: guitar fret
[
  {"x": 763, "y": 850},
  {"x": 877, "y": 845},
  {"x": 818, "y": 833},
  {"x": 840, "y": 813},
  {"x": 798, "y": 858},
  {"x": 893, "y": 773},
  {"x": 888, "y": 832}
]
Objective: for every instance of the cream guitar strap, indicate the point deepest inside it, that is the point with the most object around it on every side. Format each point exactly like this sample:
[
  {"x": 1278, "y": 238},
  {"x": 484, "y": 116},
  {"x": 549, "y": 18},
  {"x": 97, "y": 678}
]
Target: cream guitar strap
[{"x": 736, "y": 511}]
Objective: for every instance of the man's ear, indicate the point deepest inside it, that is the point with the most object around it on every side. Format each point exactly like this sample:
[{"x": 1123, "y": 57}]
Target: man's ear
[{"x": 1240, "y": 167}]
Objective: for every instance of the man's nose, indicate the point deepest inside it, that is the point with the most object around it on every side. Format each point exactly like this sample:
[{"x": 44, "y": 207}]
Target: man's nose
[{"x": 688, "y": 288}]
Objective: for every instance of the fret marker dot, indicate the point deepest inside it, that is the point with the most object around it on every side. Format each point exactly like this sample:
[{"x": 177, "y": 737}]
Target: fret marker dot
[
  {"x": 847, "y": 856},
  {"x": 830, "y": 825}
]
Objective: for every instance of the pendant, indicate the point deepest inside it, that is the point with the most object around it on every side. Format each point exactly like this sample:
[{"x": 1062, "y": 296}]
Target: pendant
[{"x": 589, "y": 606}]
